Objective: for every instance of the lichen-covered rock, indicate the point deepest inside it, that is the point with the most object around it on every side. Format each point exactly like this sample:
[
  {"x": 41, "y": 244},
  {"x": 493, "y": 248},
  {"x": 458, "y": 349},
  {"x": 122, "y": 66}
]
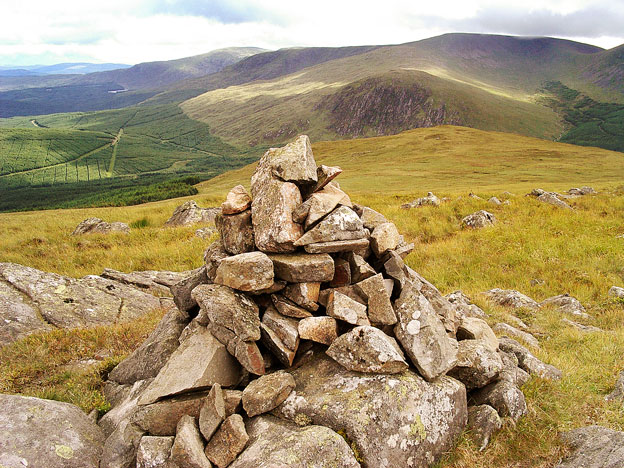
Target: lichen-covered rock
[
  {"x": 213, "y": 256},
  {"x": 422, "y": 335},
  {"x": 291, "y": 163},
  {"x": 124, "y": 400},
  {"x": 528, "y": 362},
  {"x": 511, "y": 298},
  {"x": 154, "y": 452},
  {"x": 303, "y": 268},
  {"x": 504, "y": 397},
  {"x": 51, "y": 434},
  {"x": 371, "y": 218},
  {"x": 483, "y": 422},
  {"x": 325, "y": 174},
  {"x": 228, "y": 441},
  {"x": 594, "y": 447},
  {"x": 552, "y": 199},
  {"x": 199, "y": 362},
  {"x": 190, "y": 213},
  {"x": 341, "y": 224},
  {"x": 478, "y": 220},
  {"x": 393, "y": 420},
  {"x": 252, "y": 271},
  {"x": 162, "y": 418},
  {"x": 147, "y": 360},
  {"x": 430, "y": 200},
  {"x": 285, "y": 327},
  {"x": 277, "y": 443},
  {"x": 288, "y": 308},
  {"x": 267, "y": 392},
  {"x": 97, "y": 226},
  {"x": 236, "y": 201},
  {"x": 354, "y": 245},
  {"x": 153, "y": 282},
  {"x": 368, "y": 349},
  {"x": 464, "y": 305},
  {"x": 67, "y": 302},
  {"x": 477, "y": 364},
  {"x": 230, "y": 309},
  {"x": 360, "y": 269},
  {"x": 236, "y": 232},
  {"x": 616, "y": 292}
]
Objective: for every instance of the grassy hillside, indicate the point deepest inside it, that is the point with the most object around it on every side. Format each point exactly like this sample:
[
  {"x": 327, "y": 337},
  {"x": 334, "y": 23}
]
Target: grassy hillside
[
  {"x": 84, "y": 159},
  {"x": 571, "y": 251},
  {"x": 107, "y": 89},
  {"x": 482, "y": 81}
]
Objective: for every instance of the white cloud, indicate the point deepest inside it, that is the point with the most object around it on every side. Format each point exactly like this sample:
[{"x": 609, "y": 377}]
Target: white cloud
[{"x": 132, "y": 31}]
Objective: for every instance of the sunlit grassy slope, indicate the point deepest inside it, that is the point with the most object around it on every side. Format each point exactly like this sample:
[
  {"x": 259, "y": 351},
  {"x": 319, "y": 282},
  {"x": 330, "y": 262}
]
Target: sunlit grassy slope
[{"x": 571, "y": 251}]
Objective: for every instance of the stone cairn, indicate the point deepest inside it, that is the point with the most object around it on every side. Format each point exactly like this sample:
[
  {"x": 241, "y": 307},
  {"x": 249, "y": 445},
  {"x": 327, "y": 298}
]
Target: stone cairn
[{"x": 305, "y": 322}]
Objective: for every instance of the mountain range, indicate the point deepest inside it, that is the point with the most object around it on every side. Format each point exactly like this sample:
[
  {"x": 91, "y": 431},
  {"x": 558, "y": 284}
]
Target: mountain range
[{"x": 205, "y": 114}]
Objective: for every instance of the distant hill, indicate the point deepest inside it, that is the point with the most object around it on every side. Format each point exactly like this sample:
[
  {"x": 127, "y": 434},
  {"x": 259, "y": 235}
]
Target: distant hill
[
  {"x": 45, "y": 94},
  {"x": 483, "y": 81}
]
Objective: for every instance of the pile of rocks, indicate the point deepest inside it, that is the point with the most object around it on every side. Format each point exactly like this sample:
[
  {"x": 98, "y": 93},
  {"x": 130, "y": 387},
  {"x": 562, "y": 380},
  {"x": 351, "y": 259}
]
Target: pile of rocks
[{"x": 306, "y": 310}]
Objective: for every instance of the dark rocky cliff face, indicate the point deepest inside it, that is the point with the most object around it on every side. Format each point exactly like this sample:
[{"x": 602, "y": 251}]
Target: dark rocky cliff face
[{"x": 380, "y": 106}]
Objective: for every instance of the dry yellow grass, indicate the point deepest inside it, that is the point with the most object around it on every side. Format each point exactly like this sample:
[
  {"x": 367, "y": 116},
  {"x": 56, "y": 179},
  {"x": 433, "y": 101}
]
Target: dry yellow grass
[{"x": 571, "y": 251}]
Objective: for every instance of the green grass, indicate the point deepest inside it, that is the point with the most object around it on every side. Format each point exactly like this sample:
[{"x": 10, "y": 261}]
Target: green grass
[
  {"x": 95, "y": 155},
  {"x": 571, "y": 251},
  {"x": 589, "y": 123}
]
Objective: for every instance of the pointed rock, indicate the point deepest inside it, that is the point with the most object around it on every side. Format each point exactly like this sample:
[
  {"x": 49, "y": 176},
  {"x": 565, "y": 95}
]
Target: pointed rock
[
  {"x": 237, "y": 201},
  {"x": 249, "y": 356},
  {"x": 236, "y": 232},
  {"x": 275, "y": 344},
  {"x": 340, "y": 224},
  {"x": 324, "y": 174},
  {"x": 379, "y": 306},
  {"x": 199, "y": 362},
  {"x": 188, "y": 447},
  {"x": 251, "y": 271},
  {"x": 284, "y": 327},
  {"x": 423, "y": 336},
  {"x": 360, "y": 270},
  {"x": 228, "y": 441},
  {"x": 344, "y": 308},
  {"x": 371, "y": 218},
  {"x": 212, "y": 412},
  {"x": 320, "y": 204},
  {"x": 368, "y": 349},
  {"x": 291, "y": 163}
]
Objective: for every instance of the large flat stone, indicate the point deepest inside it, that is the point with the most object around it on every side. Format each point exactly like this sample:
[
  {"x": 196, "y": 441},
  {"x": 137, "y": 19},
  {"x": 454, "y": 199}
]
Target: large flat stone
[
  {"x": 45, "y": 433},
  {"x": 277, "y": 443},
  {"x": 393, "y": 420},
  {"x": 199, "y": 362},
  {"x": 303, "y": 268}
]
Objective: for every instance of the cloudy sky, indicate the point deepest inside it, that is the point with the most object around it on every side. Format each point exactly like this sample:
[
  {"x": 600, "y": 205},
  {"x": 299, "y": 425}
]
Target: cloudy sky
[{"x": 132, "y": 31}]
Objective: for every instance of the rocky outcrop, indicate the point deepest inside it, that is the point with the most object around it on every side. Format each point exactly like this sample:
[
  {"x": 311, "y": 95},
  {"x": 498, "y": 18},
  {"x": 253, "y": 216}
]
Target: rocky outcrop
[
  {"x": 551, "y": 198},
  {"x": 190, "y": 213},
  {"x": 153, "y": 282},
  {"x": 616, "y": 292},
  {"x": 40, "y": 301},
  {"x": 594, "y": 447},
  {"x": 429, "y": 200},
  {"x": 97, "y": 226},
  {"x": 566, "y": 304},
  {"x": 511, "y": 298},
  {"x": 47, "y": 433}
]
